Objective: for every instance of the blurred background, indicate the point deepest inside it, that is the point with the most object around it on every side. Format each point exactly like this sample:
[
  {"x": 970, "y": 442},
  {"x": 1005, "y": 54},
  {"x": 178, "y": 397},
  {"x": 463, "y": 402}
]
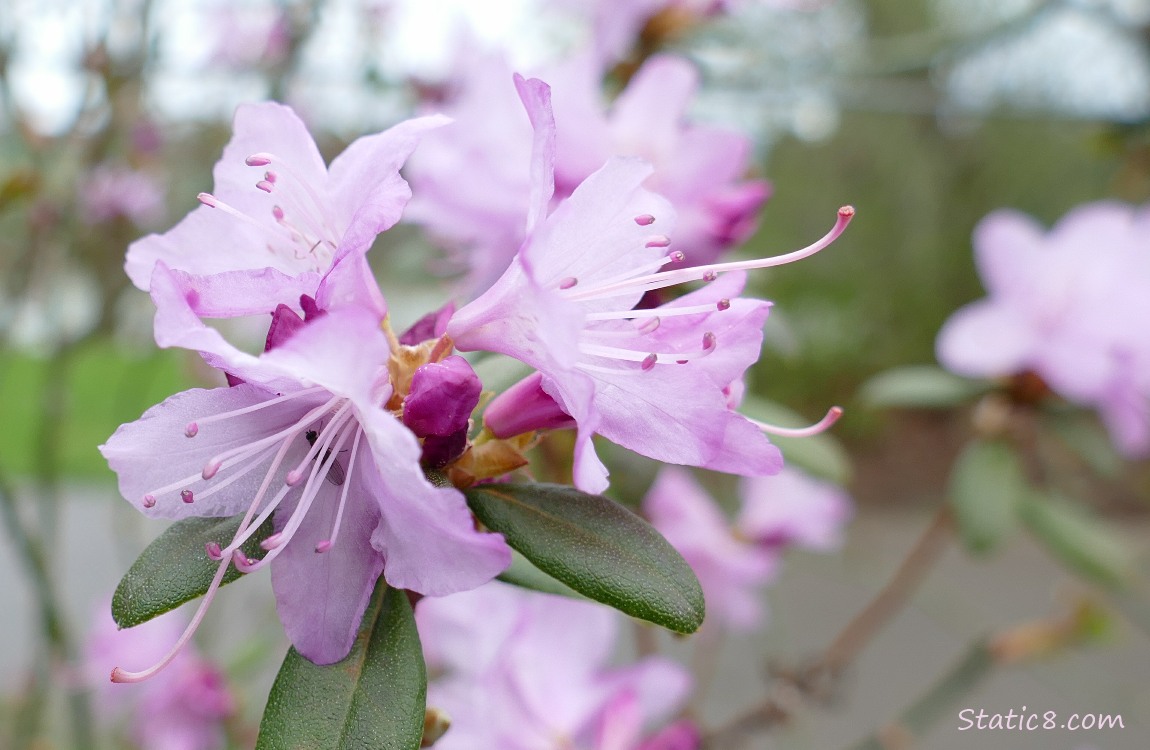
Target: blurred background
[{"x": 924, "y": 115}]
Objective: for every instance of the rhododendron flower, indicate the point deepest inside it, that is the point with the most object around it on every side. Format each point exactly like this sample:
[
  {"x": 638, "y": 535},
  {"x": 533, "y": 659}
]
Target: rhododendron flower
[
  {"x": 312, "y": 436},
  {"x": 731, "y": 570},
  {"x": 532, "y": 674},
  {"x": 1069, "y": 305},
  {"x": 653, "y": 380},
  {"x": 182, "y": 709},
  {"x": 278, "y": 218},
  {"x": 110, "y": 192},
  {"x": 473, "y": 177},
  {"x": 733, "y": 561}
]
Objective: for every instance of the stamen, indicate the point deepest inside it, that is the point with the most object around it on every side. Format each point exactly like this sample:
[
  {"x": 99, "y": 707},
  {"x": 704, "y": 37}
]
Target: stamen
[
  {"x": 723, "y": 304},
  {"x": 191, "y": 429},
  {"x": 656, "y": 312},
  {"x": 264, "y": 158},
  {"x": 321, "y": 443},
  {"x": 630, "y": 355},
  {"x": 187, "y": 496},
  {"x": 343, "y": 495},
  {"x": 258, "y": 160},
  {"x": 121, "y": 675},
  {"x": 644, "y": 220},
  {"x": 659, "y": 240},
  {"x": 214, "y": 551},
  {"x": 272, "y": 541},
  {"x": 149, "y": 501},
  {"x": 271, "y": 176},
  {"x": 568, "y": 282},
  {"x": 648, "y": 362},
  {"x": 323, "y": 546},
  {"x": 664, "y": 279},
  {"x": 264, "y": 185},
  {"x": 822, "y": 425},
  {"x": 677, "y": 256},
  {"x": 640, "y": 271}
]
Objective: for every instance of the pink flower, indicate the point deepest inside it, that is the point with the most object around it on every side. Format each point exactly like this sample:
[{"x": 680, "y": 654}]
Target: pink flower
[
  {"x": 111, "y": 192},
  {"x": 279, "y": 218},
  {"x": 1070, "y": 305},
  {"x": 734, "y": 561},
  {"x": 310, "y": 436},
  {"x": 182, "y": 709},
  {"x": 731, "y": 570},
  {"x": 532, "y": 674},
  {"x": 653, "y": 380},
  {"x": 473, "y": 178}
]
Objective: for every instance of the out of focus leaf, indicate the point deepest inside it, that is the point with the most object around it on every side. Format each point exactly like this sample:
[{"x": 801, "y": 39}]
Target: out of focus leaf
[
  {"x": 1079, "y": 540},
  {"x": 919, "y": 386},
  {"x": 175, "y": 568},
  {"x": 986, "y": 487},
  {"x": 1083, "y": 435},
  {"x": 821, "y": 455},
  {"x": 375, "y": 698},
  {"x": 597, "y": 547}
]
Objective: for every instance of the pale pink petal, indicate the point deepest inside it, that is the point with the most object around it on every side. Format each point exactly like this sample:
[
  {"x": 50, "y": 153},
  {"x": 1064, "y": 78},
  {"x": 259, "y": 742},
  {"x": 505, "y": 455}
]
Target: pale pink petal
[
  {"x": 321, "y": 597},
  {"x": 985, "y": 339}
]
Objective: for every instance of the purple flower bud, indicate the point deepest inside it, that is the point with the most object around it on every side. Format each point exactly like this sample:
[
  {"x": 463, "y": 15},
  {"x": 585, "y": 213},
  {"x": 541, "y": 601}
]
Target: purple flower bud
[
  {"x": 430, "y": 326},
  {"x": 524, "y": 407},
  {"x": 442, "y": 397},
  {"x": 440, "y": 451}
]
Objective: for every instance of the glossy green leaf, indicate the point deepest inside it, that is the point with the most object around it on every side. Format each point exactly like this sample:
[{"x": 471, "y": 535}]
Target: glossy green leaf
[
  {"x": 919, "y": 386},
  {"x": 1079, "y": 540},
  {"x": 597, "y": 547},
  {"x": 1085, "y": 437},
  {"x": 986, "y": 487},
  {"x": 175, "y": 568},
  {"x": 375, "y": 698},
  {"x": 524, "y": 574}
]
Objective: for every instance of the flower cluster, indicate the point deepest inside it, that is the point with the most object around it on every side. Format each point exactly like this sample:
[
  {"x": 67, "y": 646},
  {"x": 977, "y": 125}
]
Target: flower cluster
[
  {"x": 331, "y": 431},
  {"x": 533, "y": 674},
  {"x": 1069, "y": 306}
]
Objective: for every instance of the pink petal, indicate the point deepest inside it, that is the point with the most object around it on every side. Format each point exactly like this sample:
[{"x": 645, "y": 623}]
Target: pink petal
[{"x": 985, "y": 339}]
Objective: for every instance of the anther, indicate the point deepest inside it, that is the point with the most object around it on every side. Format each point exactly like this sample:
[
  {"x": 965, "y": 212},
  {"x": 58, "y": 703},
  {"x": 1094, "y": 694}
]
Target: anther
[
  {"x": 293, "y": 477},
  {"x": 272, "y": 541},
  {"x": 644, "y": 220},
  {"x": 649, "y": 325},
  {"x": 676, "y": 256},
  {"x": 659, "y": 240},
  {"x": 149, "y": 501},
  {"x": 258, "y": 160},
  {"x": 709, "y": 341},
  {"x": 270, "y": 176},
  {"x": 648, "y": 362},
  {"x": 211, "y": 468},
  {"x": 191, "y": 429},
  {"x": 208, "y": 200},
  {"x": 323, "y": 546},
  {"x": 723, "y": 304},
  {"x": 214, "y": 551},
  {"x": 278, "y": 213},
  {"x": 187, "y": 496},
  {"x": 710, "y": 276},
  {"x": 682, "y": 361},
  {"x": 264, "y": 185},
  {"x": 568, "y": 282}
]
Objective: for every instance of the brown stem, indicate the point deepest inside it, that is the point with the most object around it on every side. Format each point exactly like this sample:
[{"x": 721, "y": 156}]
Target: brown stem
[{"x": 788, "y": 692}]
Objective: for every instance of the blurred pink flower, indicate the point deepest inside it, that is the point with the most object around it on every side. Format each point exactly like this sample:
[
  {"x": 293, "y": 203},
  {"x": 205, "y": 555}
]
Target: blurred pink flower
[
  {"x": 1071, "y": 305},
  {"x": 533, "y": 674},
  {"x": 111, "y": 192},
  {"x": 182, "y": 709},
  {"x": 473, "y": 180},
  {"x": 734, "y": 561}
]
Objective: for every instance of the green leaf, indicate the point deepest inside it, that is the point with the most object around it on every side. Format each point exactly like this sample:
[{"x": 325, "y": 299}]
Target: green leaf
[
  {"x": 1079, "y": 540},
  {"x": 375, "y": 698},
  {"x": 525, "y": 575},
  {"x": 175, "y": 568},
  {"x": 597, "y": 547},
  {"x": 919, "y": 386},
  {"x": 986, "y": 487},
  {"x": 1083, "y": 435},
  {"x": 821, "y": 455}
]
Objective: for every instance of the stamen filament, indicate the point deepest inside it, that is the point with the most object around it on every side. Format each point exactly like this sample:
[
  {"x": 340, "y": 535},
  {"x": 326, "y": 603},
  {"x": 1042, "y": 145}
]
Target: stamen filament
[
  {"x": 822, "y": 425},
  {"x": 651, "y": 282},
  {"x": 346, "y": 485},
  {"x": 249, "y": 409}
]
